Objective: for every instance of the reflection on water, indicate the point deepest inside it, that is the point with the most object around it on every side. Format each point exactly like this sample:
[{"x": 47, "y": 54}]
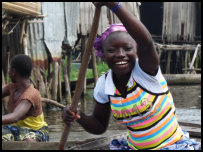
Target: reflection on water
[
  {"x": 186, "y": 96},
  {"x": 187, "y": 99}
]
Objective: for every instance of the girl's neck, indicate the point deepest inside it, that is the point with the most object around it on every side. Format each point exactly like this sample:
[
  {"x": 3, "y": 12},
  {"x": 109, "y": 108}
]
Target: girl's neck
[
  {"x": 22, "y": 84},
  {"x": 121, "y": 83},
  {"x": 122, "y": 79}
]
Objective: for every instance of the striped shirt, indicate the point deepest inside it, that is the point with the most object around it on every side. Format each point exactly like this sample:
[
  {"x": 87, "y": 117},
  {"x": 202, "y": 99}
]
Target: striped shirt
[{"x": 147, "y": 111}]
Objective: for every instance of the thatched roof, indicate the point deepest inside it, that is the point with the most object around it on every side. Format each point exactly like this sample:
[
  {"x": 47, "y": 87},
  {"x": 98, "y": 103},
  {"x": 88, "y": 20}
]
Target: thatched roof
[{"x": 22, "y": 8}]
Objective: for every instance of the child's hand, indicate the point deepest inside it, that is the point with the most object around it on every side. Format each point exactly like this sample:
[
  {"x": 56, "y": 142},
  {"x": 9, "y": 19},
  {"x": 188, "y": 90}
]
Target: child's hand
[
  {"x": 108, "y": 4},
  {"x": 99, "y": 4},
  {"x": 68, "y": 116}
]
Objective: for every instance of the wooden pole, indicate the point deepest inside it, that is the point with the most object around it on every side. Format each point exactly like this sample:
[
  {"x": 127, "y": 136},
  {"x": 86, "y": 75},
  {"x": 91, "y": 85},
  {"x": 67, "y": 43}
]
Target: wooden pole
[
  {"x": 69, "y": 61},
  {"x": 67, "y": 84},
  {"x": 186, "y": 60},
  {"x": 59, "y": 84},
  {"x": 94, "y": 67},
  {"x": 168, "y": 63},
  {"x": 194, "y": 56},
  {"x": 55, "y": 80},
  {"x": 82, "y": 73},
  {"x": 5, "y": 99},
  {"x": 49, "y": 101}
]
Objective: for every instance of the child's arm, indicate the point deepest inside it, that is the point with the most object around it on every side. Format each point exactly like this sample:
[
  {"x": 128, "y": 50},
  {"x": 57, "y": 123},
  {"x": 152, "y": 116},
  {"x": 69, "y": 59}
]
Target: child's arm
[
  {"x": 96, "y": 123},
  {"x": 5, "y": 91},
  {"x": 19, "y": 112}
]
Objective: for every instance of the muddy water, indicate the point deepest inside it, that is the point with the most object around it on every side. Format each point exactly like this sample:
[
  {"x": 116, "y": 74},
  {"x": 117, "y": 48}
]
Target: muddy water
[{"x": 187, "y": 100}]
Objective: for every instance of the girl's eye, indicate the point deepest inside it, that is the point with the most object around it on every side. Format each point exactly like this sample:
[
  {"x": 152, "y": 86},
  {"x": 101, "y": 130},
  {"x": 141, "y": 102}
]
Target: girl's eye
[
  {"x": 128, "y": 48},
  {"x": 111, "y": 50}
]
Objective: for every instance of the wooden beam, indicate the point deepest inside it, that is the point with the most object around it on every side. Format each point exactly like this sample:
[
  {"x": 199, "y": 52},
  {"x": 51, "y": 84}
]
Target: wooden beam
[
  {"x": 173, "y": 47},
  {"x": 183, "y": 78}
]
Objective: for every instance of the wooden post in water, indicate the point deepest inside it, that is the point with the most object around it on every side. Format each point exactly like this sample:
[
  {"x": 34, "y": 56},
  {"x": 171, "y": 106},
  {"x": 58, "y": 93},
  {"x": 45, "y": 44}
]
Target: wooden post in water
[
  {"x": 194, "y": 56},
  {"x": 5, "y": 99},
  {"x": 94, "y": 66},
  {"x": 69, "y": 61},
  {"x": 168, "y": 62},
  {"x": 84, "y": 40},
  {"x": 186, "y": 60},
  {"x": 40, "y": 81},
  {"x": 59, "y": 83},
  {"x": 55, "y": 80},
  {"x": 67, "y": 84}
]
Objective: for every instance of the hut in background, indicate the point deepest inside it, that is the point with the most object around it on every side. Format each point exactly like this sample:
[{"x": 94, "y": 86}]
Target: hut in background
[
  {"x": 47, "y": 32},
  {"x": 176, "y": 30}
]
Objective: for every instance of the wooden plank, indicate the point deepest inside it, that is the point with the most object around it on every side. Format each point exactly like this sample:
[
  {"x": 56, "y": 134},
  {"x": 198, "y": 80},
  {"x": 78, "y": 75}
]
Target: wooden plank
[{"x": 173, "y": 47}]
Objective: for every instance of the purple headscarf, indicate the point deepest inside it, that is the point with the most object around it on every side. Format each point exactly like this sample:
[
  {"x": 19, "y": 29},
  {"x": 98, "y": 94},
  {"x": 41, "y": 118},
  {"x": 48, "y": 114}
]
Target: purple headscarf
[{"x": 98, "y": 42}]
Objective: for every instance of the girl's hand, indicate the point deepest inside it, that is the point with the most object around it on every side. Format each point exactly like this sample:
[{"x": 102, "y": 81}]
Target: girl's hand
[
  {"x": 68, "y": 116},
  {"x": 108, "y": 4}
]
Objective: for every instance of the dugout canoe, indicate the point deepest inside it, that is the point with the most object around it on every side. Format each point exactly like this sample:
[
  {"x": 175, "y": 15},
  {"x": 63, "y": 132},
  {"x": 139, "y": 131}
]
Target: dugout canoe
[{"x": 90, "y": 144}]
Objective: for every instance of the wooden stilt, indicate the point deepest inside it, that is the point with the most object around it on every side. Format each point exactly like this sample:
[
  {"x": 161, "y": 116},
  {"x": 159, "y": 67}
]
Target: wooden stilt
[
  {"x": 55, "y": 81},
  {"x": 40, "y": 82},
  {"x": 168, "y": 63},
  {"x": 83, "y": 41},
  {"x": 69, "y": 61},
  {"x": 59, "y": 84},
  {"x": 67, "y": 84},
  {"x": 194, "y": 56},
  {"x": 8, "y": 64},
  {"x": 5, "y": 99},
  {"x": 186, "y": 60},
  {"x": 94, "y": 67}
]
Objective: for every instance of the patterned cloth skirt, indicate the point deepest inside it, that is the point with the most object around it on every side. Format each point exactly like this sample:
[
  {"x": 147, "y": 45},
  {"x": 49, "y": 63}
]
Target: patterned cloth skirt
[
  {"x": 184, "y": 144},
  {"x": 16, "y": 133}
]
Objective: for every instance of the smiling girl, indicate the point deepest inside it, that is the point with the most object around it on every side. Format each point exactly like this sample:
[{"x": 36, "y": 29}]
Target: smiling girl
[{"x": 134, "y": 89}]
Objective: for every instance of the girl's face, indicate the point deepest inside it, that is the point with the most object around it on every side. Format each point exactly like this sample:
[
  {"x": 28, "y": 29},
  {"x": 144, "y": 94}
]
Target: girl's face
[
  {"x": 11, "y": 73},
  {"x": 120, "y": 52}
]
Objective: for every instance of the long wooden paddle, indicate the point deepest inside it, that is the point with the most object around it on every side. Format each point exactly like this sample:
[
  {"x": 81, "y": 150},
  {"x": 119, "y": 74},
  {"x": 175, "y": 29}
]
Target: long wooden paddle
[{"x": 82, "y": 73}]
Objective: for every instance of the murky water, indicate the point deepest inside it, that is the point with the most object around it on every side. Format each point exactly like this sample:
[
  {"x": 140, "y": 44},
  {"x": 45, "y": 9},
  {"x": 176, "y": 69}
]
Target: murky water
[{"x": 187, "y": 100}]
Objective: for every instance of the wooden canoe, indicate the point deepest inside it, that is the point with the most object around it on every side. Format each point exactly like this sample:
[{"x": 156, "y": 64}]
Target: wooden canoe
[{"x": 90, "y": 144}]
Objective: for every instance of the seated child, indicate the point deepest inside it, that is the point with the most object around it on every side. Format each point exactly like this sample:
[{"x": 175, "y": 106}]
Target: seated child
[{"x": 25, "y": 122}]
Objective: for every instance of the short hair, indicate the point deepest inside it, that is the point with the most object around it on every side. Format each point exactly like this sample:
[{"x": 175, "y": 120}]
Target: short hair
[{"x": 22, "y": 64}]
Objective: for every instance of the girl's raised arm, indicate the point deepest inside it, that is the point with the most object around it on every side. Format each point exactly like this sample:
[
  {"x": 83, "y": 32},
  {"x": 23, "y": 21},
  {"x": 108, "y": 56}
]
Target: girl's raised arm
[{"x": 148, "y": 58}]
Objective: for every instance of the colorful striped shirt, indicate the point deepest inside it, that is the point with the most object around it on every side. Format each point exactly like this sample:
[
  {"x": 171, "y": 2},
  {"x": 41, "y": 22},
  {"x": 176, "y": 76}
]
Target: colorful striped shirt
[{"x": 147, "y": 111}]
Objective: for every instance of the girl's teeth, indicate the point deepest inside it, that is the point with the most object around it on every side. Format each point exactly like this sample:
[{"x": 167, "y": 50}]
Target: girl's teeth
[{"x": 122, "y": 62}]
